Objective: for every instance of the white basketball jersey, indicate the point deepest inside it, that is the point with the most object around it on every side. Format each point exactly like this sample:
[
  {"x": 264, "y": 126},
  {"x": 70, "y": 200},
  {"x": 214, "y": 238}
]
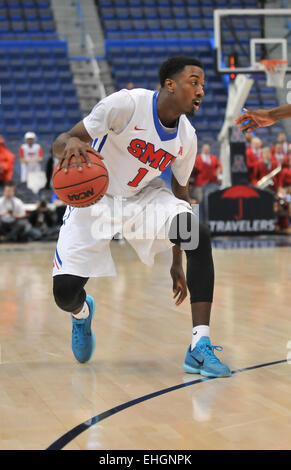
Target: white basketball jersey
[
  {"x": 143, "y": 149},
  {"x": 30, "y": 151}
]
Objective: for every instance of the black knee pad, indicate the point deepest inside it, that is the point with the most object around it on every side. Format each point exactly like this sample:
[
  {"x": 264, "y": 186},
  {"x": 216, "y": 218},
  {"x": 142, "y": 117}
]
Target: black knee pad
[{"x": 69, "y": 292}]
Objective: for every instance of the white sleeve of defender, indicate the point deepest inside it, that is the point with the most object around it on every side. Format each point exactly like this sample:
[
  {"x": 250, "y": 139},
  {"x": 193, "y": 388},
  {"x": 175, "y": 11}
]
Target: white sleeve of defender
[
  {"x": 112, "y": 113},
  {"x": 183, "y": 167}
]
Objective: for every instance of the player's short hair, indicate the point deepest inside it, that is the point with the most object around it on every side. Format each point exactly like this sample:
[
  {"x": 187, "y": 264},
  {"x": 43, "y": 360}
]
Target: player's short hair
[{"x": 175, "y": 65}]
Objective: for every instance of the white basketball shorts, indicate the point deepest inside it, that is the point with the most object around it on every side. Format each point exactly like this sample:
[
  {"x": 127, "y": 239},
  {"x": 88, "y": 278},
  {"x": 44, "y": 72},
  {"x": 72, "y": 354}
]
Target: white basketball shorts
[{"x": 83, "y": 247}]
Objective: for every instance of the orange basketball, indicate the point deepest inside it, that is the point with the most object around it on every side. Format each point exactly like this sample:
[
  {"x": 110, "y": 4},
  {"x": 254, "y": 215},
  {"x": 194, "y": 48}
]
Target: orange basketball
[{"x": 81, "y": 188}]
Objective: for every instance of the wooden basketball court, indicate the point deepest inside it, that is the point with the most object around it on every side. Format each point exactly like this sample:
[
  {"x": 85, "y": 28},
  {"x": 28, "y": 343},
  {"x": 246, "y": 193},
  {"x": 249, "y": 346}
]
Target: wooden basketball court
[{"x": 48, "y": 400}]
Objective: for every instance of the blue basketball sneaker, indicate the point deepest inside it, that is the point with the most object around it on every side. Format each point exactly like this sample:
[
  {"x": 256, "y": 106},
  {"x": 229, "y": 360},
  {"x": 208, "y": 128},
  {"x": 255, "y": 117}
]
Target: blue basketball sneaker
[
  {"x": 83, "y": 339},
  {"x": 202, "y": 360}
]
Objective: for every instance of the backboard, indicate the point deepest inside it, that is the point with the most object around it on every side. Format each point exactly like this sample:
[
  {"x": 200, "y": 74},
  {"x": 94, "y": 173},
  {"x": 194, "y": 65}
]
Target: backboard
[{"x": 251, "y": 35}]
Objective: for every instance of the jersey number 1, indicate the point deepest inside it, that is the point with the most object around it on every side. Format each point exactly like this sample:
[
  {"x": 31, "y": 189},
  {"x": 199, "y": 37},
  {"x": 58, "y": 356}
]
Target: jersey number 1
[{"x": 140, "y": 175}]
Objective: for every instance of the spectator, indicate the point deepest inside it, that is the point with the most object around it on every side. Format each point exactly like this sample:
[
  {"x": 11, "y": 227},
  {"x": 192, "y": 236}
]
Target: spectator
[
  {"x": 43, "y": 222},
  {"x": 285, "y": 177},
  {"x": 281, "y": 157},
  {"x": 50, "y": 165},
  {"x": 49, "y": 171},
  {"x": 6, "y": 162},
  {"x": 265, "y": 166},
  {"x": 204, "y": 177},
  {"x": 253, "y": 156},
  {"x": 281, "y": 139},
  {"x": 282, "y": 210},
  {"x": 30, "y": 154},
  {"x": 248, "y": 137},
  {"x": 13, "y": 223}
]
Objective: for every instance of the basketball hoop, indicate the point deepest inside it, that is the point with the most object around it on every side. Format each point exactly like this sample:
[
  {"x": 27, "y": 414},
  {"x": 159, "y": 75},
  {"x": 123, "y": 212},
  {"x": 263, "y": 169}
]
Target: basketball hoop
[{"x": 275, "y": 70}]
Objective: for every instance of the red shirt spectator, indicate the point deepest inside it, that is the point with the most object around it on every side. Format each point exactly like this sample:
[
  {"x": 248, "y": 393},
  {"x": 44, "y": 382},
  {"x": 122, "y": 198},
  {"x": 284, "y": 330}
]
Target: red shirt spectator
[
  {"x": 281, "y": 157},
  {"x": 265, "y": 166},
  {"x": 281, "y": 139},
  {"x": 281, "y": 209},
  {"x": 285, "y": 178},
  {"x": 248, "y": 137},
  {"x": 6, "y": 162},
  {"x": 206, "y": 168},
  {"x": 254, "y": 156}
]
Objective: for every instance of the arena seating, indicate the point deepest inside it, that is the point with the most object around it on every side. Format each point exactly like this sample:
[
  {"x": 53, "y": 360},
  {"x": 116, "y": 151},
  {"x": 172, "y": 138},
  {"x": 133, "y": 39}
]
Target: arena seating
[
  {"x": 37, "y": 89},
  {"x": 140, "y": 34},
  {"x": 20, "y": 19},
  {"x": 124, "y": 19}
]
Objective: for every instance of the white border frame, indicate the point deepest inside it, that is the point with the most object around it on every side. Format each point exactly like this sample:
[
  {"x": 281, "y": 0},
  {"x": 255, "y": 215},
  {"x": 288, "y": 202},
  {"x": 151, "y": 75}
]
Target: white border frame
[
  {"x": 217, "y": 33},
  {"x": 253, "y": 43}
]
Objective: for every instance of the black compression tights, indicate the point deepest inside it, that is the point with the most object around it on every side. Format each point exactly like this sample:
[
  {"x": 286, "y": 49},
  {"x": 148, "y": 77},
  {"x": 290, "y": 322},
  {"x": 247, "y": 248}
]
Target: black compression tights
[
  {"x": 69, "y": 290},
  {"x": 200, "y": 268}
]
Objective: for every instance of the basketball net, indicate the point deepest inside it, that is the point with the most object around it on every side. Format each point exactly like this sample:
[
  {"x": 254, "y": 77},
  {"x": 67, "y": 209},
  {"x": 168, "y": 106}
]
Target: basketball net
[{"x": 275, "y": 71}]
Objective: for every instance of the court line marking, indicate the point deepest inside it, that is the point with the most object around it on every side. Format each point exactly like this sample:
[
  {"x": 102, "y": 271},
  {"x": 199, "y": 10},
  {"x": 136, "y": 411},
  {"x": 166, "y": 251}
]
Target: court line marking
[{"x": 77, "y": 430}]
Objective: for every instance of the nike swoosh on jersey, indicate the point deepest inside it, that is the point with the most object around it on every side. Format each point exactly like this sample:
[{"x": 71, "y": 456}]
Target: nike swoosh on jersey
[{"x": 138, "y": 129}]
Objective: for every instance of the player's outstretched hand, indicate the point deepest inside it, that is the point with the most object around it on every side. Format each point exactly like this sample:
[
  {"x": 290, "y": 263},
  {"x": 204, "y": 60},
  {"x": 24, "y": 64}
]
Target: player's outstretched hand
[
  {"x": 251, "y": 120},
  {"x": 76, "y": 147},
  {"x": 179, "y": 283}
]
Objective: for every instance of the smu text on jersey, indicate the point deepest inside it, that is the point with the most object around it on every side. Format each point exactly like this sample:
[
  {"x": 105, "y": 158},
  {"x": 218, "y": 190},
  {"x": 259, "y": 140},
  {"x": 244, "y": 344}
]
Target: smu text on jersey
[{"x": 146, "y": 153}]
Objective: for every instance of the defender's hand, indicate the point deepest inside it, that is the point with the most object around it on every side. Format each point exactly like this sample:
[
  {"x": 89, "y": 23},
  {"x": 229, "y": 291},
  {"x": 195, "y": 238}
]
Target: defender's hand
[
  {"x": 254, "y": 119},
  {"x": 179, "y": 283},
  {"x": 76, "y": 147}
]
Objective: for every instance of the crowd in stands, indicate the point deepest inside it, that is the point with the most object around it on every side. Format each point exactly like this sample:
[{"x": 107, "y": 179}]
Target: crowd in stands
[
  {"x": 261, "y": 160},
  {"x": 205, "y": 178},
  {"x": 19, "y": 221}
]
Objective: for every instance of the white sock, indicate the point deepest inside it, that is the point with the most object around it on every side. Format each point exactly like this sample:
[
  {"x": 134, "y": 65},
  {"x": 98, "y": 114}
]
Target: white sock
[
  {"x": 84, "y": 313},
  {"x": 197, "y": 333}
]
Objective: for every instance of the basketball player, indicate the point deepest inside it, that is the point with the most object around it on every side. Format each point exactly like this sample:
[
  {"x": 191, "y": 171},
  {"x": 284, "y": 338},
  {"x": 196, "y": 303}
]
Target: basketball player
[
  {"x": 251, "y": 120},
  {"x": 139, "y": 133}
]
